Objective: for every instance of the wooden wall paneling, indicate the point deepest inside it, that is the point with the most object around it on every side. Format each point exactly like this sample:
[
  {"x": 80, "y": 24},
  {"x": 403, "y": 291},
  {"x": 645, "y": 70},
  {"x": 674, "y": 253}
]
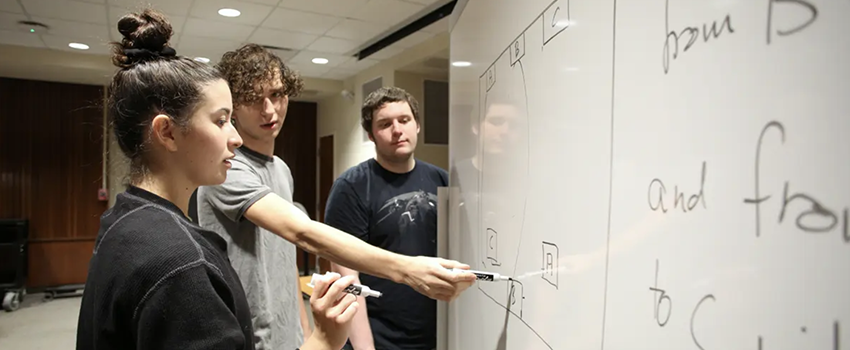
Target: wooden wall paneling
[
  {"x": 296, "y": 145},
  {"x": 51, "y": 170},
  {"x": 326, "y": 179}
]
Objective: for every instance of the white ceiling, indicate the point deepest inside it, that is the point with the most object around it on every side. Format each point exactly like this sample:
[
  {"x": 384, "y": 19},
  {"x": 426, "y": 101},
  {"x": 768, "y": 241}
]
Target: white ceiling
[{"x": 332, "y": 29}]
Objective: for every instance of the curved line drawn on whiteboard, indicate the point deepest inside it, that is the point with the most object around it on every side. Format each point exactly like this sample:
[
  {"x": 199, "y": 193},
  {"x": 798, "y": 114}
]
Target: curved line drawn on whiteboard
[
  {"x": 527, "y": 166},
  {"x": 492, "y": 248},
  {"x": 550, "y": 263},
  {"x": 813, "y": 10},
  {"x": 557, "y": 13},
  {"x": 816, "y": 208},
  {"x": 694, "y": 314}
]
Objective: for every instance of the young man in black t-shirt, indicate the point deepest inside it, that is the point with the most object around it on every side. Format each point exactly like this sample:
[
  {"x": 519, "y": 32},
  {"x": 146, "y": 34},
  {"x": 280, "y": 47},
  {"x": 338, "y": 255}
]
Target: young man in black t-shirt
[{"x": 390, "y": 202}]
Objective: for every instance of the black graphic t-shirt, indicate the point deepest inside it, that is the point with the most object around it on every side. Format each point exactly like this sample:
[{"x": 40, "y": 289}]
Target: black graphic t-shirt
[{"x": 396, "y": 212}]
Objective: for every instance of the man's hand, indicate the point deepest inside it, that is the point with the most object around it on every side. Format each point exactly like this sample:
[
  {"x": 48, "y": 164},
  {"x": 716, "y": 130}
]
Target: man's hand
[{"x": 432, "y": 277}]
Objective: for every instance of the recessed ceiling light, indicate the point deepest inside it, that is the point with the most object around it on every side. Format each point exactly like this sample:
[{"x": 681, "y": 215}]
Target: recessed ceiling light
[
  {"x": 229, "y": 12},
  {"x": 319, "y": 60},
  {"x": 202, "y": 59},
  {"x": 461, "y": 64},
  {"x": 78, "y": 46}
]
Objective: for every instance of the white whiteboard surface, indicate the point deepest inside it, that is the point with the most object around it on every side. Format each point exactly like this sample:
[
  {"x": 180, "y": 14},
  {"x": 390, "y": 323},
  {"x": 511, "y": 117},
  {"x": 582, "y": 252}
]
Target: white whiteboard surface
[{"x": 577, "y": 120}]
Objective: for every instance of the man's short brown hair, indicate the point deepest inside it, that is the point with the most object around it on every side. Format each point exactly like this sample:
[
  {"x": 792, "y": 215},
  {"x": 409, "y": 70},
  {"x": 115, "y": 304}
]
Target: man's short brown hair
[
  {"x": 377, "y": 99},
  {"x": 251, "y": 66}
]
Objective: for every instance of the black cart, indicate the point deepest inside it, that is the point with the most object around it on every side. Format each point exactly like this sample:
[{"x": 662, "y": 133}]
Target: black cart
[{"x": 13, "y": 261}]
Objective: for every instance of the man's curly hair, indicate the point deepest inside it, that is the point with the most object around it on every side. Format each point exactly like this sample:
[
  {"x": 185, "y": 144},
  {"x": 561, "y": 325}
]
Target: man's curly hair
[{"x": 248, "y": 68}]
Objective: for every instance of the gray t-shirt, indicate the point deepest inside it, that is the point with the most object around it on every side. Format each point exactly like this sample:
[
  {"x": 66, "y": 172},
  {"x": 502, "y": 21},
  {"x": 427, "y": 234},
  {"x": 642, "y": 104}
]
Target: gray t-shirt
[{"x": 265, "y": 262}]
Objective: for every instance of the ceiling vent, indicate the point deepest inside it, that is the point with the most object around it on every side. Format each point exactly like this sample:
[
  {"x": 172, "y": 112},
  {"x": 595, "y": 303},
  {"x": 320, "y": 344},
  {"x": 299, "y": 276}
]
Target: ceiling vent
[{"x": 33, "y": 27}]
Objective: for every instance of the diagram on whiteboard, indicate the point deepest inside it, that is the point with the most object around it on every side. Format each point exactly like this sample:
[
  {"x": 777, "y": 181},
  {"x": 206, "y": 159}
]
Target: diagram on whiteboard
[{"x": 505, "y": 145}]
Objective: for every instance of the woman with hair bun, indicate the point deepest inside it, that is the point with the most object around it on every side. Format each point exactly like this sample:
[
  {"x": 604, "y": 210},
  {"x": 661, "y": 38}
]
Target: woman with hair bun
[{"x": 157, "y": 280}]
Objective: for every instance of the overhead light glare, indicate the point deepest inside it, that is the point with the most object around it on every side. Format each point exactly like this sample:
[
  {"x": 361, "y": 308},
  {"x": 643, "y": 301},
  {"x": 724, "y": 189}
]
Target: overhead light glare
[
  {"x": 227, "y": 12},
  {"x": 78, "y": 46}
]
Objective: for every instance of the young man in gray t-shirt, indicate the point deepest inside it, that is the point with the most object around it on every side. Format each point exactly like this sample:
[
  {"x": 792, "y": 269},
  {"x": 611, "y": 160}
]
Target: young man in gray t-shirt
[
  {"x": 255, "y": 203},
  {"x": 265, "y": 263}
]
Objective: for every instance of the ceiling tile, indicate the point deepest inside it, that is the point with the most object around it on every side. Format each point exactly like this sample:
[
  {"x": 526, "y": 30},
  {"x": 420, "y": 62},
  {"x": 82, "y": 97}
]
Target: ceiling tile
[
  {"x": 9, "y": 21},
  {"x": 116, "y": 12},
  {"x": 190, "y": 44},
  {"x": 167, "y": 7},
  {"x": 339, "y": 74},
  {"x": 353, "y": 29},
  {"x": 213, "y": 55},
  {"x": 299, "y": 21},
  {"x": 284, "y": 55},
  {"x": 67, "y": 10},
  {"x": 213, "y": 29},
  {"x": 305, "y": 58},
  {"x": 413, "y": 39},
  {"x": 8, "y": 37},
  {"x": 312, "y": 70},
  {"x": 279, "y": 38},
  {"x": 57, "y": 42},
  {"x": 264, "y": 2},
  {"x": 333, "y": 45},
  {"x": 327, "y": 7},
  {"x": 387, "y": 52},
  {"x": 354, "y": 64},
  {"x": 76, "y": 30},
  {"x": 389, "y": 12},
  {"x": 11, "y": 6},
  {"x": 252, "y": 14}
]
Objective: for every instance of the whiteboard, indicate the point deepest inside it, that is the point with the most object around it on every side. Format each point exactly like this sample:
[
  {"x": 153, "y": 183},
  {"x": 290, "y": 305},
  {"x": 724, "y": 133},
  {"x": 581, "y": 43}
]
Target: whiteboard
[{"x": 656, "y": 174}]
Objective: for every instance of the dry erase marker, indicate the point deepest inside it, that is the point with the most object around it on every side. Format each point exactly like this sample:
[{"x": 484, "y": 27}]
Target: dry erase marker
[
  {"x": 485, "y": 276},
  {"x": 353, "y": 288}
]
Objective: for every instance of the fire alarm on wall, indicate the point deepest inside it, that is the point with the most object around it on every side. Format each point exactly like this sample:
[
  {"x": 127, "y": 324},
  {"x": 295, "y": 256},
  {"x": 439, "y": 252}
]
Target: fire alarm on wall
[{"x": 103, "y": 194}]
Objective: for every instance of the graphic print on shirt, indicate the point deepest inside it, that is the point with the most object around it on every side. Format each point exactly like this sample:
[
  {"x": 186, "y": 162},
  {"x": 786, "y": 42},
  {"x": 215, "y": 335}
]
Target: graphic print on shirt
[{"x": 412, "y": 206}]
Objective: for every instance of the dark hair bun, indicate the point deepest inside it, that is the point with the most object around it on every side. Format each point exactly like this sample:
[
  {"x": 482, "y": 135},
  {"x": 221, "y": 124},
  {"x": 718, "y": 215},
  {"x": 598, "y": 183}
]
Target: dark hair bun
[{"x": 147, "y": 31}]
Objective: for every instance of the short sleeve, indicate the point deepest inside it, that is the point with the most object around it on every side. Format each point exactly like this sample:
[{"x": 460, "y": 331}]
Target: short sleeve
[
  {"x": 345, "y": 211},
  {"x": 239, "y": 192},
  {"x": 187, "y": 311}
]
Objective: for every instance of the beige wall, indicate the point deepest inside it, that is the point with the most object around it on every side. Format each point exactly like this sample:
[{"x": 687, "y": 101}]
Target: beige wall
[
  {"x": 414, "y": 84},
  {"x": 340, "y": 116}
]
